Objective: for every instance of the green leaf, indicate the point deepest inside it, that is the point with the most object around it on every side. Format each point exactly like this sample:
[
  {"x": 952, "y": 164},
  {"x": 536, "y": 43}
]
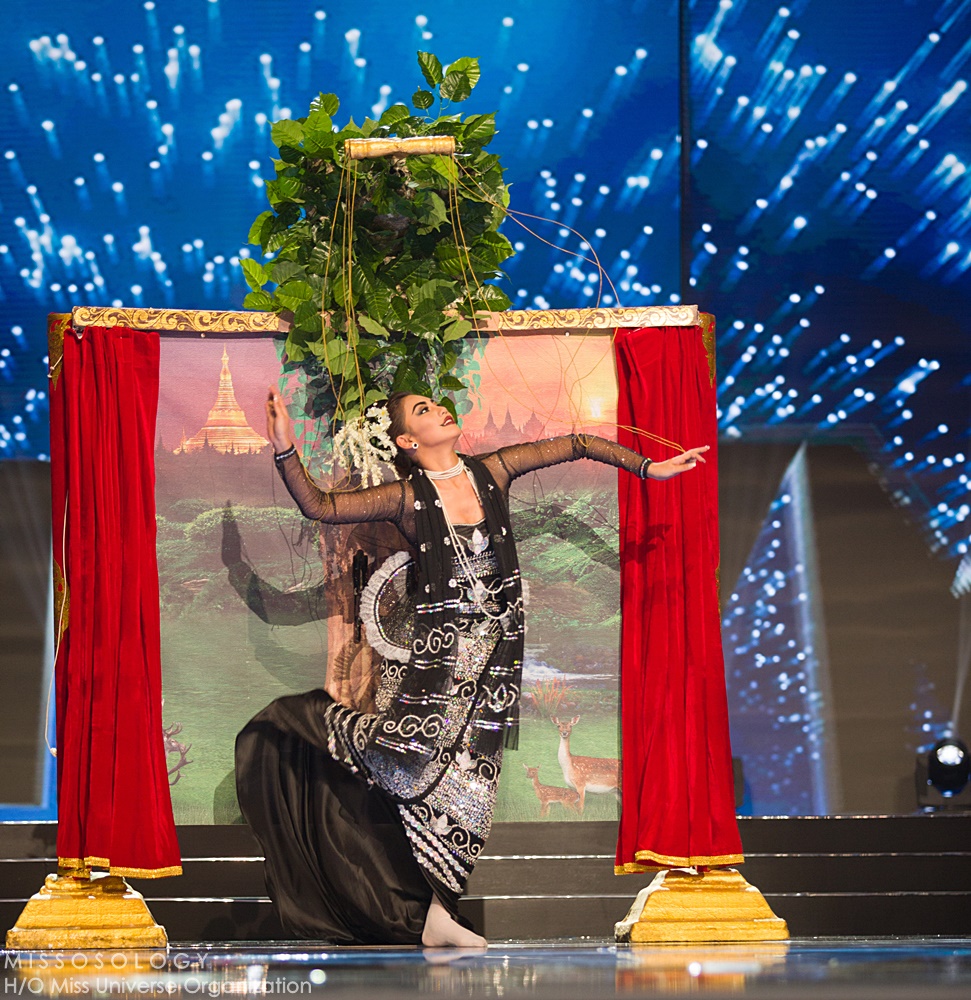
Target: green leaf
[
  {"x": 377, "y": 301},
  {"x": 338, "y": 358},
  {"x": 295, "y": 349},
  {"x": 366, "y": 349},
  {"x": 396, "y": 113},
  {"x": 427, "y": 317},
  {"x": 437, "y": 291},
  {"x": 293, "y": 293},
  {"x": 257, "y": 227},
  {"x": 451, "y": 382},
  {"x": 284, "y": 270},
  {"x": 253, "y": 272},
  {"x": 492, "y": 298},
  {"x": 259, "y": 300},
  {"x": 318, "y": 133},
  {"x": 285, "y": 189},
  {"x": 346, "y": 298},
  {"x": 373, "y": 328},
  {"x": 456, "y": 87},
  {"x": 431, "y": 68},
  {"x": 431, "y": 213},
  {"x": 318, "y": 121},
  {"x": 328, "y": 103},
  {"x": 399, "y": 306},
  {"x": 456, "y": 330},
  {"x": 307, "y": 317},
  {"x": 480, "y": 129},
  {"x": 286, "y": 133},
  {"x": 403, "y": 377},
  {"x": 320, "y": 258},
  {"x": 422, "y": 99},
  {"x": 445, "y": 166},
  {"x": 299, "y": 290},
  {"x": 469, "y": 66}
]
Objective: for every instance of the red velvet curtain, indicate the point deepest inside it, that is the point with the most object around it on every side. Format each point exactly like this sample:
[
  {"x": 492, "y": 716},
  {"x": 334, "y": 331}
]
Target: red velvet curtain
[
  {"x": 114, "y": 807},
  {"x": 678, "y": 806}
]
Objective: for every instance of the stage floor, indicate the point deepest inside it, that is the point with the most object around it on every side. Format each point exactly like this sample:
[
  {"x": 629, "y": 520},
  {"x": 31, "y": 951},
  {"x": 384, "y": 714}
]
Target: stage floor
[{"x": 812, "y": 968}]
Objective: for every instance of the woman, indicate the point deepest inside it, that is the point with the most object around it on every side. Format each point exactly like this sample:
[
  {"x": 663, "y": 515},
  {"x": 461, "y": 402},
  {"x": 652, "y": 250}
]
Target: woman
[{"x": 371, "y": 823}]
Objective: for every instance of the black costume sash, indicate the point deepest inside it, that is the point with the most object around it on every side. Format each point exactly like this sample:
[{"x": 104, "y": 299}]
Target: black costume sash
[{"x": 404, "y": 744}]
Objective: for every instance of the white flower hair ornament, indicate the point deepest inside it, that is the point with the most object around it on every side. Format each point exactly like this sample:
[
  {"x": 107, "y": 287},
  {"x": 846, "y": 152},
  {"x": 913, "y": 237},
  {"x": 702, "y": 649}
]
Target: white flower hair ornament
[{"x": 363, "y": 444}]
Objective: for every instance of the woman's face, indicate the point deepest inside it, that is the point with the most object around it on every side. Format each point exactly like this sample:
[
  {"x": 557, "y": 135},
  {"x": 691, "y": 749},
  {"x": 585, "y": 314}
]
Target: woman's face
[{"x": 427, "y": 423}]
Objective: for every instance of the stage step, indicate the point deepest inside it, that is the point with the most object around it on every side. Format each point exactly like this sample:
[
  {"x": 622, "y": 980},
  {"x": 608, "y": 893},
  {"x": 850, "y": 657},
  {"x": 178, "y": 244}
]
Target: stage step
[{"x": 826, "y": 876}]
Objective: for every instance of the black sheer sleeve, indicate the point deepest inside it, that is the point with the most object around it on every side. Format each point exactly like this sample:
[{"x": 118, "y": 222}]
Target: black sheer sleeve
[
  {"x": 379, "y": 503},
  {"x": 516, "y": 460}
]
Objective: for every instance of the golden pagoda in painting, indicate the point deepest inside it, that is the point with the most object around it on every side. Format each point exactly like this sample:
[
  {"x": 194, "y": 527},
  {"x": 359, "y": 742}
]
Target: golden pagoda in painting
[{"x": 225, "y": 428}]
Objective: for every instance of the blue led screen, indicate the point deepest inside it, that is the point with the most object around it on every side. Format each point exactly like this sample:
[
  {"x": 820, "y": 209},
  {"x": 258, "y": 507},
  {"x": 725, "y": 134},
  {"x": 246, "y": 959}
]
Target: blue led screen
[
  {"x": 135, "y": 137},
  {"x": 827, "y": 224}
]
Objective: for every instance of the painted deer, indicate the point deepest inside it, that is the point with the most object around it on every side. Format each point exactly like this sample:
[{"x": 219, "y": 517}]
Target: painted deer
[
  {"x": 548, "y": 794},
  {"x": 585, "y": 774}
]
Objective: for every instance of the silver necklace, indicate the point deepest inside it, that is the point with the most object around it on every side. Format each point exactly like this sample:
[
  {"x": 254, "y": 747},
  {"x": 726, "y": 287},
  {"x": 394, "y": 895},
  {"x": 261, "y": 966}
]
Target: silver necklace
[{"x": 478, "y": 587}]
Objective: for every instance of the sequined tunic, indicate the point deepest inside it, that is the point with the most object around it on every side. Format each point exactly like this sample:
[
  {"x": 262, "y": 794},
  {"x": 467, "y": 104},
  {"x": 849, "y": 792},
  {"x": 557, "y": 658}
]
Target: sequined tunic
[{"x": 447, "y": 820}]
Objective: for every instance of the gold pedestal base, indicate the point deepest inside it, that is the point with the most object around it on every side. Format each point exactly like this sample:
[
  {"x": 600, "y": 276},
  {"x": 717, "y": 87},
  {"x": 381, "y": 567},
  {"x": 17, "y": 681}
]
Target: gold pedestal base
[
  {"x": 681, "y": 905},
  {"x": 77, "y": 913}
]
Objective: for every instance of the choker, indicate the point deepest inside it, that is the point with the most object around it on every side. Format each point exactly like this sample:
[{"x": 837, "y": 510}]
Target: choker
[{"x": 456, "y": 470}]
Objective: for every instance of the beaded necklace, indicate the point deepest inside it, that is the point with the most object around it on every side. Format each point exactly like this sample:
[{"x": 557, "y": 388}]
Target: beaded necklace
[{"x": 478, "y": 588}]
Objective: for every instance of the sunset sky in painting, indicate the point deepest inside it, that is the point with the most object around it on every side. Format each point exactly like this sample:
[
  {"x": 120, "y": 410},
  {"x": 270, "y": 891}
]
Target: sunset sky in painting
[{"x": 568, "y": 382}]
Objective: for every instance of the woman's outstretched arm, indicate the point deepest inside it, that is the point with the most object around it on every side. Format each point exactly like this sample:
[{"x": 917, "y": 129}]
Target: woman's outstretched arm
[
  {"x": 518, "y": 459},
  {"x": 381, "y": 503}
]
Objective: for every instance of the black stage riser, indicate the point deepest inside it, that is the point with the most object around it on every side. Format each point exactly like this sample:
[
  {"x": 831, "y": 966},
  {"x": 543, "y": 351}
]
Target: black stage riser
[{"x": 825, "y": 876}]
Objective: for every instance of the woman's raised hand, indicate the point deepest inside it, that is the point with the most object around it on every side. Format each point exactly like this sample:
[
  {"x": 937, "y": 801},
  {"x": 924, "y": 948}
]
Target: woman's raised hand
[
  {"x": 675, "y": 466},
  {"x": 277, "y": 421}
]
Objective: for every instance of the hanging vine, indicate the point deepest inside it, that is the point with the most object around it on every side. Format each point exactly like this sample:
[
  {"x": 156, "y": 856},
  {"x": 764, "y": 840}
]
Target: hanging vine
[{"x": 381, "y": 264}]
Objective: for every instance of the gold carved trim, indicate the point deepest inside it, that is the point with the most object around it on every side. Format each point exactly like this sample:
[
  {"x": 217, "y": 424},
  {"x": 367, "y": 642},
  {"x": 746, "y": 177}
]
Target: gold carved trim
[
  {"x": 707, "y": 322},
  {"x": 82, "y": 865},
  {"x": 416, "y": 145},
  {"x": 57, "y": 326},
  {"x": 62, "y": 603},
  {"x": 181, "y": 320},
  {"x": 515, "y": 320},
  {"x": 205, "y": 321}
]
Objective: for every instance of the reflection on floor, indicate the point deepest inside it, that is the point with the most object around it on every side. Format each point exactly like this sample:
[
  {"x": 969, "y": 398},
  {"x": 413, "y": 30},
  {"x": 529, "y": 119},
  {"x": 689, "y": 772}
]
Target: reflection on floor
[{"x": 855, "y": 967}]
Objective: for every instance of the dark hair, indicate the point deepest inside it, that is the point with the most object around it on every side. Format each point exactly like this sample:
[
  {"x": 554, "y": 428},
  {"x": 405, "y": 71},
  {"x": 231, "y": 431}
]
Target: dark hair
[{"x": 403, "y": 462}]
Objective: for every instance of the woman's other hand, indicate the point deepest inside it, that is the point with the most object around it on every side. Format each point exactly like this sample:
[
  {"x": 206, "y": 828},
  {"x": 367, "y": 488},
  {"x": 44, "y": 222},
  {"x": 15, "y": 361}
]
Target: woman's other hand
[
  {"x": 675, "y": 466},
  {"x": 277, "y": 421}
]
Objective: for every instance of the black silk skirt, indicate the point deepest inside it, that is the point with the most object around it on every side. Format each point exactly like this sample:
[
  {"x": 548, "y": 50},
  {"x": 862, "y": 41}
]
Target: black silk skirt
[{"x": 339, "y": 866}]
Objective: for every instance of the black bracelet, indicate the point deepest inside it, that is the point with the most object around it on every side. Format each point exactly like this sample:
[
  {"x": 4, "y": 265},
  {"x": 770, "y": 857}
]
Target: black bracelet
[
  {"x": 292, "y": 450},
  {"x": 645, "y": 465}
]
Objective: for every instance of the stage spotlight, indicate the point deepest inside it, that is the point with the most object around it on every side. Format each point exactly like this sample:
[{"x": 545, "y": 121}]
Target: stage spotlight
[
  {"x": 948, "y": 766},
  {"x": 944, "y": 776}
]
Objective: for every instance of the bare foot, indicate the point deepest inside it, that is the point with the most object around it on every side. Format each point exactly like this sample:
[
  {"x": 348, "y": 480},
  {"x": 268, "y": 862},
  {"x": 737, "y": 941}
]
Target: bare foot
[{"x": 441, "y": 931}]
